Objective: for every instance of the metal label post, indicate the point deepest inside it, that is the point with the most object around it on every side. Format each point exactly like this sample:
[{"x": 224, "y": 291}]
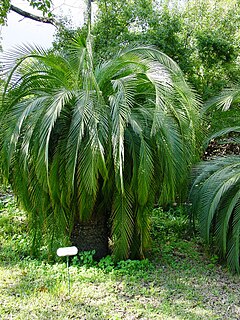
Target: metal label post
[{"x": 67, "y": 252}]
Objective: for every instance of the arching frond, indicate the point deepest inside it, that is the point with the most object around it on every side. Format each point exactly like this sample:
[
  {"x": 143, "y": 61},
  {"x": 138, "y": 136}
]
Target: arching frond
[
  {"x": 122, "y": 224},
  {"x": 225, "y": 99},
  {"x": 215, "y": 195}
]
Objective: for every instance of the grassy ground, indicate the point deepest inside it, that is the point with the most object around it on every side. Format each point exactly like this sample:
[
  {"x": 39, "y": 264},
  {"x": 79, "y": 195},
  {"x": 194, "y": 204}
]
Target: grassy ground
[{"x": 177, "y": 281}]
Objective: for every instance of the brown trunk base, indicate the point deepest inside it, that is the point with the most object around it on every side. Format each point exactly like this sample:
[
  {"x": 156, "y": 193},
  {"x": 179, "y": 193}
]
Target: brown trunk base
[{"x": 91, "y": 236}]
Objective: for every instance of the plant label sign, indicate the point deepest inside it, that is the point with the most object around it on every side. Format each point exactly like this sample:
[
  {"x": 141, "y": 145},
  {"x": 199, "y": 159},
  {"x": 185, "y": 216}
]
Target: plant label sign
[{"x": 67, "y": 251}]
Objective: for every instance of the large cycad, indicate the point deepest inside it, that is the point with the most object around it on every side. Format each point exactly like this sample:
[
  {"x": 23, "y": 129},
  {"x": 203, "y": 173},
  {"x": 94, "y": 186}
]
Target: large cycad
[
  {"x": 89, "y": 146},
  {"x": 216, "y": 192}
]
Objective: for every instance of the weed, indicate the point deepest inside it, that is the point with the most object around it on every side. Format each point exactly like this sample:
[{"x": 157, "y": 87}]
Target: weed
[
  {"x": 106, "y": 264},
  {"x": 85, "y": 258}
]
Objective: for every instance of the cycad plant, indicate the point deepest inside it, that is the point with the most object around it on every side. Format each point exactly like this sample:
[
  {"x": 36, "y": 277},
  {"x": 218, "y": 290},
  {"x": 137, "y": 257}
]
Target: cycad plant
[
  {"x": 215, "y": 192},
  {"x": 95, "y": 147}
]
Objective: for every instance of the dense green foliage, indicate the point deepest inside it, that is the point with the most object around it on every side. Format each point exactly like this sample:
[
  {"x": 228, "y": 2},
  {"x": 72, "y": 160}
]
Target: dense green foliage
[
  {"x": 4, "y": 7},
  {"x": 216, "y": 191},
  {"x": 111, "y": 140},
  {"x": 216, "y": 203},
  {"x": 201, "y": 36}
]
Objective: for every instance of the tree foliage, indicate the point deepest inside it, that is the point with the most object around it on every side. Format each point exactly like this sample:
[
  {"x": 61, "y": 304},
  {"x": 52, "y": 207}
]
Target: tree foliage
[
  {"x": 201, "y": 36},
  {"x": 79, "y": 140},
  {"x": 4, "y": 8}
]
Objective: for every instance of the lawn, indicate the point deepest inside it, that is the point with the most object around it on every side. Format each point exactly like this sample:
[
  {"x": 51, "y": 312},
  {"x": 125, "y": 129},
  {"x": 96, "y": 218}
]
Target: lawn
[{"x": 178, "y": 279}]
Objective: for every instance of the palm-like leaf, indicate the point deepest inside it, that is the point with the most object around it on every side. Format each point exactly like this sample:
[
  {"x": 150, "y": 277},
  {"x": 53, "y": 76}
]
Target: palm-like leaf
[
  {"x": 225, "y": 99},
  {"x": 215, "y": 193},
  {"x": 215, "y": 196},
  {"x": 78, "y": 140}
]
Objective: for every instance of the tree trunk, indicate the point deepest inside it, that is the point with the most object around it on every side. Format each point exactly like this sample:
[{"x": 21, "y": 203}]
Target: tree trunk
[{"x": 91, "y": 235}]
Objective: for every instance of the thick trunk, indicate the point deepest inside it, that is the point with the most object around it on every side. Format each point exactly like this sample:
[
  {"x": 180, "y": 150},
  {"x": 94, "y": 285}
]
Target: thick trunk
[{"x": 91, "y": 235}]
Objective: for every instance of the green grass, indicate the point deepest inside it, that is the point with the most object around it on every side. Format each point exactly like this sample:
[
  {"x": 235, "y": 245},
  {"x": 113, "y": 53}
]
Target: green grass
[{"x": 178, "y": 280}]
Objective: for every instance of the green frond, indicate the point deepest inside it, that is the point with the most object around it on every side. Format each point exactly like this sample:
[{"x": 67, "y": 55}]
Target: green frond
[
  {"x": 142, "y": 239},
  {"x": 234, "y": 241},
  {"x": 145, "y": 173},
  {"x": 225, "y": 99},
  {"x": 224, "y": 215},
  {"x": 122, "y": 224},
  {"x": 77, "y": 131},
  {"x": 215, "y": 195},
  {"x": 221, "y": 133},
  {"x": 51, "y": 113},
  {"x": 120, "y": 103}
]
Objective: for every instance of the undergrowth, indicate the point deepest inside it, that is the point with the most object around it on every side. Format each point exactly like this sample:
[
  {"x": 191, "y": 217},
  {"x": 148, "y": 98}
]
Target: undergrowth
[{"x": 176, "y": 280}]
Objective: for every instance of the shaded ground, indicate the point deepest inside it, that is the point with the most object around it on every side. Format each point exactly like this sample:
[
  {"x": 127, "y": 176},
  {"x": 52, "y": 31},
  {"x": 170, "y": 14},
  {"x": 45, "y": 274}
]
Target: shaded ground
[{"x": 224, "y": 149}]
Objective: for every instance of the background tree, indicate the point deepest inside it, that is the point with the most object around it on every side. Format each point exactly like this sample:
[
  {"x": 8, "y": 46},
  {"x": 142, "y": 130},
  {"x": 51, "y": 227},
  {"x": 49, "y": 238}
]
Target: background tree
[
  {"x": 215, "y": 44},
  {"x": 42, "y": 5},
  {"x": 120, "y": 23},
  {"x": 201, "y": 36}
]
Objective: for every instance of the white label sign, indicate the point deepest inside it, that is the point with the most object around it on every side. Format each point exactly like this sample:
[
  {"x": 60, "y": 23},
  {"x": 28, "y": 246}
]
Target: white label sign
[{"x": 67, "y": 251}]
